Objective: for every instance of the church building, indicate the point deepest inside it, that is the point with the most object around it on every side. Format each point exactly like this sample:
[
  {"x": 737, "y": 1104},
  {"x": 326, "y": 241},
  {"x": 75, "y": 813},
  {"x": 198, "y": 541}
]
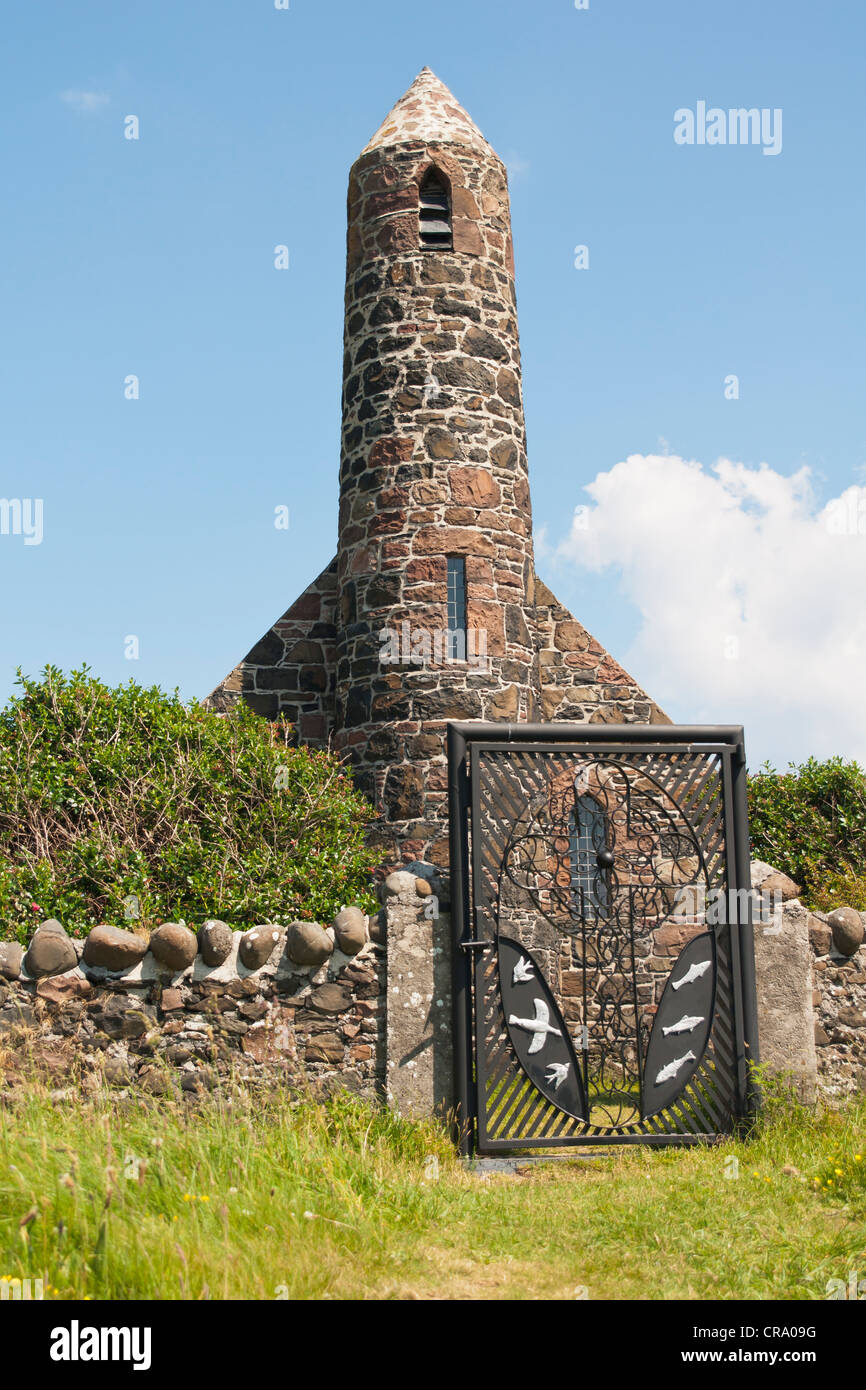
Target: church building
[{"x": 431, "y": 608}]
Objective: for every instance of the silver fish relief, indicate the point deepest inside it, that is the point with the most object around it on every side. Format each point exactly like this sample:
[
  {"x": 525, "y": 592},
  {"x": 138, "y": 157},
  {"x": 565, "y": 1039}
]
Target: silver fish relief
[
  {"x": 522, "y": 972},
  {"x": 673, "y": 1067},
  {"x": 539, "y": 1026},
  {"x": 687, "y": 1024},
  {"x": 694, "y": 972}
]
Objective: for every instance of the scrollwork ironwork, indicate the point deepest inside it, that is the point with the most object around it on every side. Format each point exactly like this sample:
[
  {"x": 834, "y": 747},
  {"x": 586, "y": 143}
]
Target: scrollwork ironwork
[{"x": 604, "y": 890}]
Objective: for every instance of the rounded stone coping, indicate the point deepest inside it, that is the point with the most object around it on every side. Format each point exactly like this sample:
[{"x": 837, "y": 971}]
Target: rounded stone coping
[
  {"x": 149, "y": 970},
  {"x": 406, "y": 887}
]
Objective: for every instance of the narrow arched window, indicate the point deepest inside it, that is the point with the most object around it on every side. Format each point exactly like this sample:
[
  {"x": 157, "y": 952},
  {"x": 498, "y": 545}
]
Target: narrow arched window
[
  {"x": 434, "y": 213},
  {"x": 588, "y": 838}
]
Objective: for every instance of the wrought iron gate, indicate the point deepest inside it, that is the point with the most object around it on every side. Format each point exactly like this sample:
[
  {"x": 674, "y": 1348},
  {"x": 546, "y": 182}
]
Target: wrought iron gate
[{"x": 603, "y": 954}]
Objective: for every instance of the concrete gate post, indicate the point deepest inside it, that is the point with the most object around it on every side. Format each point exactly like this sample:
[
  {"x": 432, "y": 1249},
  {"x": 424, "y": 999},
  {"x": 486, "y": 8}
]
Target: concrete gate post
[{"x": 419, "y": 1054}]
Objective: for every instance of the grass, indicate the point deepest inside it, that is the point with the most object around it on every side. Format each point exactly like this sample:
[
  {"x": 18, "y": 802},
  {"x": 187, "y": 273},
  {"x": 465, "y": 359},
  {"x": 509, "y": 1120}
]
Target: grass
[{"x": 264, "y": 1198}]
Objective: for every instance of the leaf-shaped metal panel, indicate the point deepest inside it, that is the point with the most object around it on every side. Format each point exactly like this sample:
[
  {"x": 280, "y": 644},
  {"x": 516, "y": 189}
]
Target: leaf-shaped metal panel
[
  {"x": 537, "y": 1030},
  {"x": 681, "y": 1027}
]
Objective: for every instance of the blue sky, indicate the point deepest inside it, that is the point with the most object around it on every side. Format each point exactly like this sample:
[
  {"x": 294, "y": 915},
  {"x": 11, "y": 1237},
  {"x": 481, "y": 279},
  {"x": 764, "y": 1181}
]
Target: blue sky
[{"x": 155, "y": 258}]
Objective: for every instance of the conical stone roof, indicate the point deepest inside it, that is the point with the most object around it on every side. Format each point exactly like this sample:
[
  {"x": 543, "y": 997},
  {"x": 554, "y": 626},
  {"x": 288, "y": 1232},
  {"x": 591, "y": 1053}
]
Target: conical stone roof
[{"x": 428, "y": 112}]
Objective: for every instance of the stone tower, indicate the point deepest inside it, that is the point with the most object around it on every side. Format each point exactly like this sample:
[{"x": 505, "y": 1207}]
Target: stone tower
[
  {"x": 431, "y": 610},
  {"x": 433, "y": 454}
]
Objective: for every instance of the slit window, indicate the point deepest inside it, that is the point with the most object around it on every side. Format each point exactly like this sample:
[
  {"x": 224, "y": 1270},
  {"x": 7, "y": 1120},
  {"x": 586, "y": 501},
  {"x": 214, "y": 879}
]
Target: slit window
[
  {"x": 456, "y": 594},
  {"x": 588, "y": 836},
  {"x": 434, "y": 213}
]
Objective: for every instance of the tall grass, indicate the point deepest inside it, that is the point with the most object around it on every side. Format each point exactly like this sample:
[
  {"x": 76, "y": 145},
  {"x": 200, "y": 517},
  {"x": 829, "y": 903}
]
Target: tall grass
[{"x": 258, "y": 1197}]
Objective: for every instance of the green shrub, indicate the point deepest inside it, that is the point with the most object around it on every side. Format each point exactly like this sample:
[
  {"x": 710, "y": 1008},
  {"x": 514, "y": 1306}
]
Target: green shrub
[
  {"x": 846, "y": 888},
  {"x": 128, "y": 803},
  {"x": 810, "y": 822}
]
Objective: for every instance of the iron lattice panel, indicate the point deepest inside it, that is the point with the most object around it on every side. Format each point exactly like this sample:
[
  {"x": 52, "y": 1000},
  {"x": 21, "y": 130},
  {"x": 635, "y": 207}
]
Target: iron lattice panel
[{"x": 667, "y": 811}]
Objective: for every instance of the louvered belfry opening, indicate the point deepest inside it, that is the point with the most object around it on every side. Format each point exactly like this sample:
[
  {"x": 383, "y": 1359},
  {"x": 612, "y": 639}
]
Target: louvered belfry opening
[{"x": 434, "y": 212}]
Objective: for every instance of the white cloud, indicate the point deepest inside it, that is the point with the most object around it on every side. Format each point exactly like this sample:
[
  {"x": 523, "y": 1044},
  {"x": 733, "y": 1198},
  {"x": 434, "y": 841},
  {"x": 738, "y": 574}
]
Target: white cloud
[
  {"x": 752, "y": 598},
  {"x": 516, "y": 165},
  {"x": 85, "y": 101}
]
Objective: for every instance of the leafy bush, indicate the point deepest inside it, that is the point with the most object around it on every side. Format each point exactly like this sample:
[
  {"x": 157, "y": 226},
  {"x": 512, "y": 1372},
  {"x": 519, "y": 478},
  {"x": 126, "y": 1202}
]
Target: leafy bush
[
  {"x": 810, "y": 822},
  {"x": 844, "y": 889},
  {"x": 127, "y": 802}
]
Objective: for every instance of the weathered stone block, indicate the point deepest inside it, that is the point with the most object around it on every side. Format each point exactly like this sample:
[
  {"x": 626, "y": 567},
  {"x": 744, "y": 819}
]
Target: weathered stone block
[
  {"x": 350, "y": 930},
  {"x": 215, "y": 940},
  {"x": 474, "y": 487},
  {"x": 330, "y": 999},
  {"x": 174, "y": 946},
  {"x": 113, "y": 949},
  {"x": 307, "y": 943},
  {"x": 325, "y": 1047},
  {"x": 781, "y": 884},
  {"x": 847, "y": 930},
  {"x": 50, "y": 951},
  {"x": 257, "y": 946},
  {"x": 786, "y": 1024},
  {"x": 11, "y": 956},
  {"x": 418, "y": 1016}
]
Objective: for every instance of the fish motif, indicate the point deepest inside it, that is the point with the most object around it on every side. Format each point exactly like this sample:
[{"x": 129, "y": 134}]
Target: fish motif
[
  {"x": 687, "y": 1024},
  {"x": 694, "y": 972},
  {"x": 539, "y": 1026},
  {"x": 673, "y": 1067},
  {"x": 522, "y": 972},
  {"x": 557, "y": 1073}
]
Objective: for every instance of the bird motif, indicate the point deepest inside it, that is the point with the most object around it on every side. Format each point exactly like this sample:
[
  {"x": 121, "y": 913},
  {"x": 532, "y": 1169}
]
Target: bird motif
[
  {"x": 539, "y": 1026},
  {"x": 522, "y": 972},
  {"x": 557, "y": 1073}
]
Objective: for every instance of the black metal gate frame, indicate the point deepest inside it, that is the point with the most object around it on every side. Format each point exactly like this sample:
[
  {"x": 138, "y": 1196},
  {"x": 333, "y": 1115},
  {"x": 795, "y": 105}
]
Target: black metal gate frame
[{"x": 467, "y": 740}]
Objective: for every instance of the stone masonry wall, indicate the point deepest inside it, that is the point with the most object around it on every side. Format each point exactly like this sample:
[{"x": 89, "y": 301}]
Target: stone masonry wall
[
  {"x": 368, "y": 1007},
  {"x": 811, "y": 975},
  {"x": 579, "y": 682},
  {"x": 291, "y": 669},
  {"x": 839, "y": 1001},
  {"x": 303, "y": 1005}
]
